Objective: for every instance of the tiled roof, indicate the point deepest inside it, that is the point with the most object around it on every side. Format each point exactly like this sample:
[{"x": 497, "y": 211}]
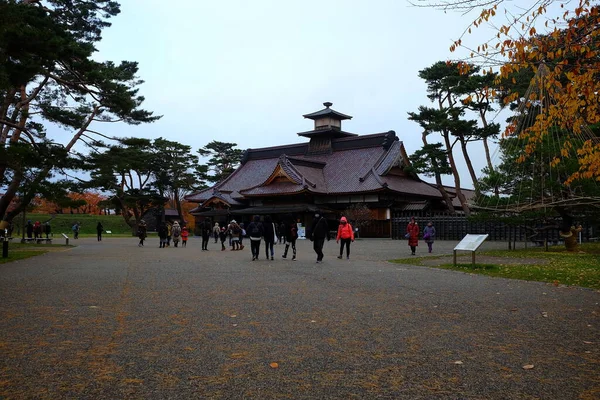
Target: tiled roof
[
  {"x": 356, "y": 165},
  {"x": 416, "y": 206},
  {"x": 327, "y": 112}
]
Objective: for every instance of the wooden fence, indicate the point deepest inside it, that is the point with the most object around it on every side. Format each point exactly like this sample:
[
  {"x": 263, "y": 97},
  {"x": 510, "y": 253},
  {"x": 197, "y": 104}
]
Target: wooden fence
[{"x": 450, "y": 227}]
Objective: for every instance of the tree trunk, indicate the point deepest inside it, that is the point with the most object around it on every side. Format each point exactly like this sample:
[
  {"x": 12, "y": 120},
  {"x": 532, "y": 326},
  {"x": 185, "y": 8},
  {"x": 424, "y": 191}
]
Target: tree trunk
[
  {"x": 463, "y": 146},
  {"x": 445, "y": 195},
  {"x": 459, "y": 194},
  {"x": 438, "y": 180},
  {"x": 179, "y": 209}
]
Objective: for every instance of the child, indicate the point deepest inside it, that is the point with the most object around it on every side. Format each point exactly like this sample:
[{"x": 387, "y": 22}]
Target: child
[
  {"x": 184, "y": 236},
  {"x": 223, "y": 237}
]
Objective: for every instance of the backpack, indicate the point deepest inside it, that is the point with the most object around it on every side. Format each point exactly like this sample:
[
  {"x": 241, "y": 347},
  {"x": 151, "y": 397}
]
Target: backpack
[
  {"x": 176, "y": 231},
  {"x": 294, "y": 231},
  {"x": 255, "y": 232},
  {"x": 235, "y": 229}
]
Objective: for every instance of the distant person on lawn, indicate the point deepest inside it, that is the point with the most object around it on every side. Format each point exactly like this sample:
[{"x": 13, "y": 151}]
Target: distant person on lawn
[
  {"x": 29, "y": 229},
  {"x": 75, "y": 229},
  {"x": 37, "y": 230},
  {"x": 99, "y": 230}
]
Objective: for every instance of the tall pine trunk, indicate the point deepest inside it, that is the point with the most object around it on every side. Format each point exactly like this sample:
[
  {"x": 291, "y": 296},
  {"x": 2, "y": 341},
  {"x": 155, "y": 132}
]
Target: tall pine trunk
[
  {"x": 459, "y": 193},
  {"x": 438, "y": 180},
  {"x": 463, "y": 146}
]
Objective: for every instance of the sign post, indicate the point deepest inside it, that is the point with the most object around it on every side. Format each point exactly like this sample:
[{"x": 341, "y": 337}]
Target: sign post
[{"x": 470, "y": 243}]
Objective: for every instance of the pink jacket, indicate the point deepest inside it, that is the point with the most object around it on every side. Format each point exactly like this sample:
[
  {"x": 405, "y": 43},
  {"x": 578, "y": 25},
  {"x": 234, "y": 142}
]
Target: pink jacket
[{"x": 345, "y": 231}]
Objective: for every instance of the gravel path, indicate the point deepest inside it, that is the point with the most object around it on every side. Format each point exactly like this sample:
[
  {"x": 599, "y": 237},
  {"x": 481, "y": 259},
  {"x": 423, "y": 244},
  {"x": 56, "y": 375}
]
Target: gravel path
[{"x": 109, "y": 320}]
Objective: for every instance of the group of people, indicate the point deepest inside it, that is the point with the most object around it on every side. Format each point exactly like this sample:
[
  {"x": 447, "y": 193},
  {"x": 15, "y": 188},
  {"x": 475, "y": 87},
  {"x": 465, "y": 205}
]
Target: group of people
[
  {"x": 285, "y": 232},
  {"x": 319, "y": 232},
  {"x": 412, "y": 234},
  {"x": 37, "y": 230}
]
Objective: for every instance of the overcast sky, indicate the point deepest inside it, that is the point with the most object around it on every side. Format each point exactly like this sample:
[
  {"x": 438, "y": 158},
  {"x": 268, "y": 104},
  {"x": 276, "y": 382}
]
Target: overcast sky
[{"x": 246, "y": 71}]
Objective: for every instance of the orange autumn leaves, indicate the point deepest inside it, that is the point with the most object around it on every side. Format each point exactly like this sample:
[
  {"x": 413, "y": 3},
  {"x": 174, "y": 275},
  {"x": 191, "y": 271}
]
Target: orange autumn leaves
[{"x": 569, "y": 52}]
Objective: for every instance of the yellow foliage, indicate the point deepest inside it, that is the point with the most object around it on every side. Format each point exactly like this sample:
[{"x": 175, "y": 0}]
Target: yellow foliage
[{"x": 572, "y": 81}]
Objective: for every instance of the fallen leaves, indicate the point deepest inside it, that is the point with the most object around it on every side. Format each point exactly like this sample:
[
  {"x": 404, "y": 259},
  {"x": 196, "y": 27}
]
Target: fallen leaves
[
  {"x": 274, "y": 365},
  {"x": 458, "y": 362},
  {"x": 528, "y": 366}
]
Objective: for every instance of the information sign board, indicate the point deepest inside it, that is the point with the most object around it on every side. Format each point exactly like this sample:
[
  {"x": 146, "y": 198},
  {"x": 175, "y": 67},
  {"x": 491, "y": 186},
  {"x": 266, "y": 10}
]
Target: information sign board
[{"x": 471, "y": 242}]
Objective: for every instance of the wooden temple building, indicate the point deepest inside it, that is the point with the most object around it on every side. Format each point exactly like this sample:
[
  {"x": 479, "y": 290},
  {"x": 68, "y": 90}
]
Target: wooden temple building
[{"x": 329, "y": 172}]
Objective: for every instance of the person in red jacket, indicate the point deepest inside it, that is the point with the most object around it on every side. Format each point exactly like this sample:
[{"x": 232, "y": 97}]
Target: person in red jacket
[
  {"x": 412, "y": 231},
  {"x": 346, "y": 234},
  {"x": 184, "y": 236}
]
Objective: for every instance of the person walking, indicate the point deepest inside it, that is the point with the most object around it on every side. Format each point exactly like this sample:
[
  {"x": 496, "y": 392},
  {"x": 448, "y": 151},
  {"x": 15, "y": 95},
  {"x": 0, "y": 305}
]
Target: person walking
[
  {"x": 99, "y": 230},
  {"x": 184, "y": 236},
  {"x": 318, "y": 233},
  {"x": 216, "y": 231},
  {"x": 37, "y": 230},
  {"x": 269, "y": 235},
  {"x": 75, "y": 229},
  {"x": 169, "y": 227},
  {"x": 291, "y": 235},
  {"x": 283, "y": 232},
  {"x": 412, "y": 234},
  {"x": 255, "y": 231},
  {"x": 223, "y": 238},
  {"x": 206, "y": 228},
  {"x": 142, "y": 232},
  {"x": 236, "y": 231},
  {"x": 163, "y": 233},
  {"x": 429, "y": 235},
  {"x": 345, "y": 233},
  {"x": 176, "y": 232},
  {"x": 29, "y": 229},
  {"x": 242, "y": 235}
]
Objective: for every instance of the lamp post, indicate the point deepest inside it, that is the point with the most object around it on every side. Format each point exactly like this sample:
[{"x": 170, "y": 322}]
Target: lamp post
[{"x": 5, "y": 244}]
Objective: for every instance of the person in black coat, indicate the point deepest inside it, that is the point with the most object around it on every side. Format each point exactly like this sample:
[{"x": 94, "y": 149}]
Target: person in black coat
[
  {"x": 29, "y": 228},
  {"x": 290, "y": 232},
  {"x": 99, "y": 230},
  {"x": 255, "y": 231},
  {"x": 318, "y": 233},
  {"x": 269, "y": 227},
  {"x": 206, "y": 228},
  {"x": 163, "y": 231}
]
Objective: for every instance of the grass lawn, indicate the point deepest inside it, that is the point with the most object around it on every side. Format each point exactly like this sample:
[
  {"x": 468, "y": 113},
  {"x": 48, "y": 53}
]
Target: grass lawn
[
  {"x": 62, "y": 223},
  {"x": 20, "y": 251},
  {"x": 556, "y": 266}
]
